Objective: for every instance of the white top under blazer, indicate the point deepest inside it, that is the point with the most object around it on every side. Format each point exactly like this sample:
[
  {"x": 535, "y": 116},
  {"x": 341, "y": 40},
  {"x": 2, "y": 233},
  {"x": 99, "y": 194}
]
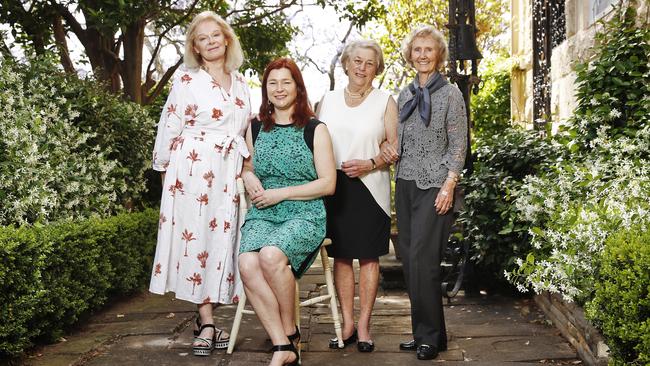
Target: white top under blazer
[{"x": 357, "y": 132}]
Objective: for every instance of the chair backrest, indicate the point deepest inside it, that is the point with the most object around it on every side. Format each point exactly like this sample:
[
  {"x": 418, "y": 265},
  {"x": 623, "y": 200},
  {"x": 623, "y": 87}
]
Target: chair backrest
[{"x": 243, "y": 199}]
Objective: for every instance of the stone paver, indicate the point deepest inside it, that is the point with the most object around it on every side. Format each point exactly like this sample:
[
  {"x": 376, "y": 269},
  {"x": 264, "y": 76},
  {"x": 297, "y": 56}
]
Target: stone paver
[{"x": 156, "y": 330}]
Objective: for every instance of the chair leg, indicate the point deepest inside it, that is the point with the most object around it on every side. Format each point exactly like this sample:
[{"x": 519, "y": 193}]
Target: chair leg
[
  {"x": 331, "y": 291},
  {"x": 236, "y": 323}
]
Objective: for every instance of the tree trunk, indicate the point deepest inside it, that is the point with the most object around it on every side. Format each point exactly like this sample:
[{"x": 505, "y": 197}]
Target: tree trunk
[
  {"x": 131, "y": 67},
  {"x": 62, "y": 45},
  {"x": 104, "y": 61}
]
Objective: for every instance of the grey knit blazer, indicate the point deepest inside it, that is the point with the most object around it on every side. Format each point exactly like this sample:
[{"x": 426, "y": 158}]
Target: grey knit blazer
[{"x": 427, "y": 154}]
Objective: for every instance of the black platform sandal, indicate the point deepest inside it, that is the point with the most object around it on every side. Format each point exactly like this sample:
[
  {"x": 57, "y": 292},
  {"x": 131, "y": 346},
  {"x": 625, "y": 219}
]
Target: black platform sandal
[
  {"x": 206, "y": 348},
  {"x": 221, "y": 339},
  {"x": 288, "y": 347}
]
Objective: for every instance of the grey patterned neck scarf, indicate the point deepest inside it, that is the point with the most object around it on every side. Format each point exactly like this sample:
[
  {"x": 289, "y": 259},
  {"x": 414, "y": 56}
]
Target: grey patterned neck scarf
[{"x": 422, "y": 99}]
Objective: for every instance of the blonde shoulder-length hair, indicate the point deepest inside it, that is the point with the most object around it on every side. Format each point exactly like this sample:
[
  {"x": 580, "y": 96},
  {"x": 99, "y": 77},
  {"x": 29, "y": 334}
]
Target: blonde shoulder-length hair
[
  {"x": 426, "y": 31},
  {"x": 234, "y": 54}
]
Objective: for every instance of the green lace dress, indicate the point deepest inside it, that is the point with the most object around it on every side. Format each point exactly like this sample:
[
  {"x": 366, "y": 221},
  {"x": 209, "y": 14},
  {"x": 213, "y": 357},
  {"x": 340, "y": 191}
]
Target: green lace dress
[{"x": 283, "y": 157}]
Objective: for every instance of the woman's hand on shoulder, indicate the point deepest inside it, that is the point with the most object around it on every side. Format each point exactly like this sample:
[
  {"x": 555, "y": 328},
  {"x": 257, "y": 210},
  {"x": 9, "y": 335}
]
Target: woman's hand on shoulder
[{"x": 356, "y": 167}]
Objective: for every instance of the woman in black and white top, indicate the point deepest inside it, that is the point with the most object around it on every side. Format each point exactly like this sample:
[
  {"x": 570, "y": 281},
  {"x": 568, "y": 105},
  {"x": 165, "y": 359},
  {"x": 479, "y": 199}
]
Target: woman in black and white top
[{"x": 360, "y": 118}]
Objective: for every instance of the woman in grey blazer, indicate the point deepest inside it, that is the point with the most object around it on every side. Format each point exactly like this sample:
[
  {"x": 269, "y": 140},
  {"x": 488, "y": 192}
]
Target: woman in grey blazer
[{"x": 432, "y": 140}]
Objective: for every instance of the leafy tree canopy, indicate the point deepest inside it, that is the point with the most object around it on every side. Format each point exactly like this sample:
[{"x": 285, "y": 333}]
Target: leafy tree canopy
[{"x": 118, "y": 36}]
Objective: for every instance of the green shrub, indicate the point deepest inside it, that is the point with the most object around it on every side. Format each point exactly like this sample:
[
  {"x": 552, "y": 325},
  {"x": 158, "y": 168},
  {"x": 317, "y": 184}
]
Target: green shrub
[
  {"x": 613, "y": 88},
  {"x": 575, "y": 207},
  {"x": 490, "y": 222},
  {"x": 53, "y": 275},
  {"x": 68, "y": 149},
  {"x": 21, "y": 287},
  {"x": 491, "y": 106},
  {"x": 123, "y": 130},
  {"x": 621, "y": 303}
]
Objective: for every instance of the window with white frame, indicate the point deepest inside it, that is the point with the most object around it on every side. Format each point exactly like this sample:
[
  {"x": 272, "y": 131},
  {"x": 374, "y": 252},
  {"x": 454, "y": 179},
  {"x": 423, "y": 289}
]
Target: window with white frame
[{"x": 598, "y": 8}]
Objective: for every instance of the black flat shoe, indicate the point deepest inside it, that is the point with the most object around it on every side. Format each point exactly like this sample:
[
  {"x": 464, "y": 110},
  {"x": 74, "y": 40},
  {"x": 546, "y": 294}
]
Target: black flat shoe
[
  {"x": 412, "y": 346},
  {"x": 365, "y": 346},
  {"x": 408, "y": 346},
  {"x": 426, "y": 352},
  {"x": 334, "y": 342},
  {"x": 288, "y": 347}
]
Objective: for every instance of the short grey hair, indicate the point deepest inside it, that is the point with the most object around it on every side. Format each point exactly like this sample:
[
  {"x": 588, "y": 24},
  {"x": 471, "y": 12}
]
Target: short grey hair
[
  {"x": 369, "y": 44},
  {"x": 426, "y": 31},
  {"x": 234, "y": 53}
]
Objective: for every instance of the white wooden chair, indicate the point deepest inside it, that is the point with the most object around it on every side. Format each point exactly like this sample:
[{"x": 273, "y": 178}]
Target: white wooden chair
[{"x": 330, "y": 296}]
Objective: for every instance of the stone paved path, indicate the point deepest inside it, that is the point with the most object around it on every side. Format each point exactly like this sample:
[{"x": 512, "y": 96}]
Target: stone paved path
[{"x": 156, "y": 330}]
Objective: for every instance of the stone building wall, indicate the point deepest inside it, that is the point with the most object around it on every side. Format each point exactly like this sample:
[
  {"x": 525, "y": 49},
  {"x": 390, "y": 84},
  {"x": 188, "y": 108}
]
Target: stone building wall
[
  {"x": 521, "y": 82},
  {"x": 581, "y": 26}
]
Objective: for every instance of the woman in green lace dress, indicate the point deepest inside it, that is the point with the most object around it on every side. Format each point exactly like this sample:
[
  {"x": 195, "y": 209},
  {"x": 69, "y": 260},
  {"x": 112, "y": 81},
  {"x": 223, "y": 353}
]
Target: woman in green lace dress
[{"x": 291, "y": 167}]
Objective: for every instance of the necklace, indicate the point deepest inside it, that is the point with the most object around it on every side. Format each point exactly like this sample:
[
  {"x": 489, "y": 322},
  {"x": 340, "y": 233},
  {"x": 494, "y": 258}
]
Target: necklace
[{"x": 357, "y": 95}]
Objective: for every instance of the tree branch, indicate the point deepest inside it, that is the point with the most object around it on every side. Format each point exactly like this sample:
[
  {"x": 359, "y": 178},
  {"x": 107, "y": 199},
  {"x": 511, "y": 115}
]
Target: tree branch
[
  {"x": 157, "y": 65},
  {"x": 263, "y": 15},
  {"x": 316, "y": 65},
  {"x": 164, "y": 33},
  {"x": 339, "y": 51},
  {"x": 386, "y": 68},
  {"x": 72, "y": 22},
  {"x": 163, "y": 81}
]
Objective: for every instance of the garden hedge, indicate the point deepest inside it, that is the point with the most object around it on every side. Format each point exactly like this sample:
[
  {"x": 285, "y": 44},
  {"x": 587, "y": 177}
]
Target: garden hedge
[
  {"x": 621, "y": 303},
  {"x": 51, "y": 276}
]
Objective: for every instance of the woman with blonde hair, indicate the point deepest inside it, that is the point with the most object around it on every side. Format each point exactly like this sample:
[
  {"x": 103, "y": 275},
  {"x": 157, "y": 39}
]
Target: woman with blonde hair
[
  {"x": 199, "y": 151},
  {"x": 432, "y": 140}
]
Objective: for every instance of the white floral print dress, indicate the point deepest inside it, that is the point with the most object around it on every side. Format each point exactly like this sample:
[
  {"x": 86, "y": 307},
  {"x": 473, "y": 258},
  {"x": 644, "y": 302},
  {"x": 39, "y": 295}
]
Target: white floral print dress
[{"x": 200, "y": 145}]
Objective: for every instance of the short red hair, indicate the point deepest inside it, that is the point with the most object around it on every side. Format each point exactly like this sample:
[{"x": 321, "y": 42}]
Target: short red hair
[{"x": 302, "y": 111}]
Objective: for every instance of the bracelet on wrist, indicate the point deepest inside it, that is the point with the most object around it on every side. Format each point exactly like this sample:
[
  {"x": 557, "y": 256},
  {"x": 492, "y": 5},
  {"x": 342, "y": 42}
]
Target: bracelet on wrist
[
  {"x": 452, "y": 178},
  {"x": 373, "y": 163}
]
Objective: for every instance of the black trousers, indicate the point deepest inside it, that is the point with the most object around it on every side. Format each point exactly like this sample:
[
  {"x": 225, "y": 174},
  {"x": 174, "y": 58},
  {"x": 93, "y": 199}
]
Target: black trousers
[{"x": 423, "y": 236}]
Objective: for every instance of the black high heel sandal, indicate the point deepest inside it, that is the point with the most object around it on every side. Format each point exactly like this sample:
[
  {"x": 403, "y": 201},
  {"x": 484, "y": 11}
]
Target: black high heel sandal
[
  {"x": 295, "y": 337},
  {"x": 288, "y": 347}
]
